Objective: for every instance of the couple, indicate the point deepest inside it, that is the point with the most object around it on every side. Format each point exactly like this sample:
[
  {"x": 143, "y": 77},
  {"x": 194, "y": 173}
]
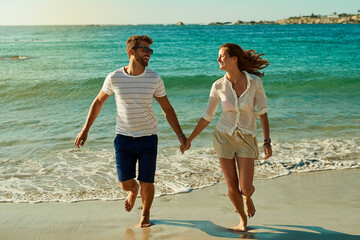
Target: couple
[{"x": 135, "y": 86}]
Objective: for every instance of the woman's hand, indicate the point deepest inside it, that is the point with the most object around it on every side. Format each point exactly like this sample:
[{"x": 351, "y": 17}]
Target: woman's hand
[{"x": 267, "y": 150}]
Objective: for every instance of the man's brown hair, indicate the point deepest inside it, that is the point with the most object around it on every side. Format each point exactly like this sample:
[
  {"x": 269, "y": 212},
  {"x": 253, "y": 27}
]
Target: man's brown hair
[{"x": 135, "y": 40}]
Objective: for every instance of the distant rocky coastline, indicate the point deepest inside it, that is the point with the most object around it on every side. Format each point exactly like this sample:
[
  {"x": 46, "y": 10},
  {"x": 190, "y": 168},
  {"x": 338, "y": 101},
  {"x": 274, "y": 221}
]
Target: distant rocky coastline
[
  {"x": 312, "y": 19},
  {"x": 318, "y": 19}
]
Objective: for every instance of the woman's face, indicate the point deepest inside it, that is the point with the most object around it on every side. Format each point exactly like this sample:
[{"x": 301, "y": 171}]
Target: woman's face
[{"x": 225, "y": 61}]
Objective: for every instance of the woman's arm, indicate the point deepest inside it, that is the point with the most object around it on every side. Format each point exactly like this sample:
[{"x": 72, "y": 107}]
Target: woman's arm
[
  {"x": 266, "y": 129},
  {"x": 201, "y": 125},
  {"x": 212, "y": 106}
]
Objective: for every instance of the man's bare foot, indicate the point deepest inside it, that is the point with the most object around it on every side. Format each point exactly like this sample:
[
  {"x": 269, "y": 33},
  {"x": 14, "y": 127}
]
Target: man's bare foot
[
  {"x": 145, "y": 221},
  {"x": 249, "y": 205},
  {"x": 130, "y": 200}
]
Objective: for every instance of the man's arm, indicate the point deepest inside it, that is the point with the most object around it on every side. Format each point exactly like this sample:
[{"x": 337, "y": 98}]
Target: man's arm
[
  {"x": 93, "y": 113},
  {"x": 171, "y": 117}
]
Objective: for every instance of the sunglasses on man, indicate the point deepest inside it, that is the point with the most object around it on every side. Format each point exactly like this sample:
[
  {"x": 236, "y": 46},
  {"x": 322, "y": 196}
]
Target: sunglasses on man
[{"x": 146, "y": 49}]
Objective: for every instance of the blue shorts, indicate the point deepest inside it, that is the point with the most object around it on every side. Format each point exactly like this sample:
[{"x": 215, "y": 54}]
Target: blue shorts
[{"x": 129, "y": 150}]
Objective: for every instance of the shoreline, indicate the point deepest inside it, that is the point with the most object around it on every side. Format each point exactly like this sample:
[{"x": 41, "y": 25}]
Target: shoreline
[{"x": 321, "y": 205}]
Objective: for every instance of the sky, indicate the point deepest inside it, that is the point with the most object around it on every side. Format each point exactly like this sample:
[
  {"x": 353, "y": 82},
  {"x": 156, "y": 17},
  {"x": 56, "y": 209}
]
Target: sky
[{"x": 82, "y": 12}]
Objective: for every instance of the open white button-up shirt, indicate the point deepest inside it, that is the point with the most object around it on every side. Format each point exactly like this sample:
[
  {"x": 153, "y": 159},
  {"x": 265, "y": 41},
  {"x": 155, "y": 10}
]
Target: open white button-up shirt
[{"x": 237, "y": 112}]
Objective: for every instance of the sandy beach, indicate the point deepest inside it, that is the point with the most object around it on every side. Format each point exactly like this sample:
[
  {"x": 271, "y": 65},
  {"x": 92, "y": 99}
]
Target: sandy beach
[{"x": 318, "y": 205}]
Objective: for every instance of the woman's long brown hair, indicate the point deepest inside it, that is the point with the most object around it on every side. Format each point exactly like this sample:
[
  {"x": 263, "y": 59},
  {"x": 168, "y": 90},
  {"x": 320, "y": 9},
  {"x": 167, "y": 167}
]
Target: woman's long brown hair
[{"x": 248, "y": 60}]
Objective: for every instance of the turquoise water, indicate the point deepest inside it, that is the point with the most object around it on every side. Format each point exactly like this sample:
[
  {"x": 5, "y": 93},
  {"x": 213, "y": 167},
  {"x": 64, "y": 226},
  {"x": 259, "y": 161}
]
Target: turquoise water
[{"x": 50, "y": 75}]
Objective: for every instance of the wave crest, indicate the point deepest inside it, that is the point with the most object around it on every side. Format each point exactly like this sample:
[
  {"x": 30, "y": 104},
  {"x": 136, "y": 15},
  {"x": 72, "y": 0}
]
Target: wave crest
[{"x": 83, "y": 175}]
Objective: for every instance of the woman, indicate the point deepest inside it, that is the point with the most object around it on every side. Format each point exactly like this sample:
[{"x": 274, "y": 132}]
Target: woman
[{"x": 243, "y": 100}]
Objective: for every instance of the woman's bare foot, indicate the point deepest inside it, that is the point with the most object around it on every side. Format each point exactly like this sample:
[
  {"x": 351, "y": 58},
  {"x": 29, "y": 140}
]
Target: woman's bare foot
[
  {"x": 249, "y": 205},
  {"x": 242, "y": 225},
  {"x": 130, "y": 200},
  {"x": 145, "y": 221}
]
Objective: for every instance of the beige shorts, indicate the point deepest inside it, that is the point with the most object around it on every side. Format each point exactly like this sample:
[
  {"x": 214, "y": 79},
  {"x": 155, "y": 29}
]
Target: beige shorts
[{"x": 227, "y": 146}]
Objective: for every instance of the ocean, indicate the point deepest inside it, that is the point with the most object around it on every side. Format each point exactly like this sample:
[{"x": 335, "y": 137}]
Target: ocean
[{"x": 49, "y": 76}]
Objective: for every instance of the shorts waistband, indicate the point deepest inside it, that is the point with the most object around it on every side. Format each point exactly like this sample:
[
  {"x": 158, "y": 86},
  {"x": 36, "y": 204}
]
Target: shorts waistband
[{"x": 131, "y": 137}]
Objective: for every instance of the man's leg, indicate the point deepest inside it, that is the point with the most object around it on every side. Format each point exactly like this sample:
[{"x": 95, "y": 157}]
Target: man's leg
[
  {"x": 132, "y": 187},
  {"x": 126, "y": 168},
  {"x": 147, "y": 192},
  {"x": 147, "y": 167}
]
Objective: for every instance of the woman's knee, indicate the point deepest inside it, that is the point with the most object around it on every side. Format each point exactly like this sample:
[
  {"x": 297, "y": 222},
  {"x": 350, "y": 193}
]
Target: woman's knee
[
  {"x": 233, "y": 187},
  {"x": 247, "y": 191}
]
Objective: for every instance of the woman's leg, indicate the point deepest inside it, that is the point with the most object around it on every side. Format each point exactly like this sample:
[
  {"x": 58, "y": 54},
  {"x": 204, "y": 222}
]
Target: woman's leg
[
  {"x": 246, "y": 176},
  {"x": 228, "y": 167}
]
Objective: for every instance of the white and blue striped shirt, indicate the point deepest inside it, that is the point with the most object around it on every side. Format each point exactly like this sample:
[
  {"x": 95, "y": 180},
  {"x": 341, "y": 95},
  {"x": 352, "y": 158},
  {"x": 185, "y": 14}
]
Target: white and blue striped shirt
[{"x": 134, "y": 97}]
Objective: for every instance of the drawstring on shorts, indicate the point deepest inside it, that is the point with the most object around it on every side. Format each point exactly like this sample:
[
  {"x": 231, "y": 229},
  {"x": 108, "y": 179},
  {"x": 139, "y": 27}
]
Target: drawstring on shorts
[{"x": 239, "y": 136}]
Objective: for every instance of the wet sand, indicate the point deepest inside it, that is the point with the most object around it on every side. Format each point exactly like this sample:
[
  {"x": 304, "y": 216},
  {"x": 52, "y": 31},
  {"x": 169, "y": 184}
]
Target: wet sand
[{"x": 317, "y": 205}]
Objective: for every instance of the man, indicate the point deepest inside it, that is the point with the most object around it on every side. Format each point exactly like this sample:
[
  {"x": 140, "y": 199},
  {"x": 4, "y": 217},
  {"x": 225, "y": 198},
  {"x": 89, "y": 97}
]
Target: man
[{"x": 134, "y": 87}]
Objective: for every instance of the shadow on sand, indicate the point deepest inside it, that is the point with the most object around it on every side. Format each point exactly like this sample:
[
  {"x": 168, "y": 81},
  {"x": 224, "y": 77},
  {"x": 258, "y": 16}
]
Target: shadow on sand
[{"x": 278, "y": 232}]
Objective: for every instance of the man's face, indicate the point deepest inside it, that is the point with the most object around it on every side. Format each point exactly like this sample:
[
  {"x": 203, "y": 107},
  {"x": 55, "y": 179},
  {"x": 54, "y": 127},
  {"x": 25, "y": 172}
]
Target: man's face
[{"x": 143, "y": 53}]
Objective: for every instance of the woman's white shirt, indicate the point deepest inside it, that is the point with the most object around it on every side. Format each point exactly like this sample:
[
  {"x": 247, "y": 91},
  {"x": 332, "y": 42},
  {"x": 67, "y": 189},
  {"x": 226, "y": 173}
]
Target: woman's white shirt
[{"x": 237, "y": 112}]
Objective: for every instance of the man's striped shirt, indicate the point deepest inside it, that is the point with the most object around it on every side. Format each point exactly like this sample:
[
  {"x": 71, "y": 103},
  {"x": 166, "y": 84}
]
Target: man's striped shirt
[{"x": 134, "y": 97}]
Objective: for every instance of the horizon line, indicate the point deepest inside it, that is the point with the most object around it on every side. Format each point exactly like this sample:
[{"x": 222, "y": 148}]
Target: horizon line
[{"x": 140, "y": 24}]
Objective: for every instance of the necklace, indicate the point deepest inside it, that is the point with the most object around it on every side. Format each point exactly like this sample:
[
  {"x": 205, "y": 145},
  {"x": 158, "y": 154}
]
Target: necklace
[{"x": 240, "y": 86}]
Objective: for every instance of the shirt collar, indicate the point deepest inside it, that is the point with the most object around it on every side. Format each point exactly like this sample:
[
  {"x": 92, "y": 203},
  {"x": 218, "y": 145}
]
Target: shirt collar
[{"x": 248, "y": 77}]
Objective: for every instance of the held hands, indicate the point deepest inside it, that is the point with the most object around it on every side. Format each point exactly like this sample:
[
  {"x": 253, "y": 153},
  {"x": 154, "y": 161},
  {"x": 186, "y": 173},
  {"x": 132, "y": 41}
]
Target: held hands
[
  {"x": 183, "y": 141},
  {"x": 81, "y": 139},
  {"x": 185, "y": 146}
]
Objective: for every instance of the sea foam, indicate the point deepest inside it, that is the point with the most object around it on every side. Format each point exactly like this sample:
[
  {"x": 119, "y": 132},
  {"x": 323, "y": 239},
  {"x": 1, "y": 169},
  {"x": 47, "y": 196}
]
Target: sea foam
[{"x": 81, "y": 175}]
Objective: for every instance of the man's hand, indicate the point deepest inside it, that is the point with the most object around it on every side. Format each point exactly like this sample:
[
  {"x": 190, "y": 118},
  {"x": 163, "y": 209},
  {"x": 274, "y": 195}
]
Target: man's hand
[
  {"x": 182, "y": 139},
  {"x": 81, "y": 139}
]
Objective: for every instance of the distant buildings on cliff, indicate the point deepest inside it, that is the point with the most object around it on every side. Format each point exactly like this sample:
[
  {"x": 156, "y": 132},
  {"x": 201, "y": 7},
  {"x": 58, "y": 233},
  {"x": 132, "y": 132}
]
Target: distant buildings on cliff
[
  {"x": 335, "y": 18},
  {"x": 318, "y": 19}
]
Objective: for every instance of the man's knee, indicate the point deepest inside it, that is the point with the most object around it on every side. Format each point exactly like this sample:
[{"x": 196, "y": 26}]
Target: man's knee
[
  {"x": 128, "y": 185},
  {"x": 146, "y": 185}
]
